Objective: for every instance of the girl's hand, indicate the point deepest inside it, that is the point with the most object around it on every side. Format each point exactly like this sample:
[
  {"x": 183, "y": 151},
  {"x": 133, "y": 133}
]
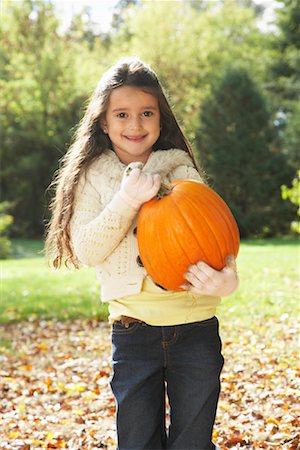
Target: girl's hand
[
  {"x": 205, "y": 280},
  {"x": 138, "y": 187}
]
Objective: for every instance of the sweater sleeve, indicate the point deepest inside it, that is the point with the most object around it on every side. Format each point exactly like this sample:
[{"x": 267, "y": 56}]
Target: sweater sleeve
[
  {"x": 97, "y": 229},
  {"x": 184, "y": 172}
]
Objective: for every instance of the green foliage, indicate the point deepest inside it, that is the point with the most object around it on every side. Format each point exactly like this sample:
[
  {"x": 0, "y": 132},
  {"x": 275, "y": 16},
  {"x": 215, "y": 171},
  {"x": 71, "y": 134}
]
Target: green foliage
[
  {"x": 285, "y": 67},
  {"x": 291, "y": 136},
  {"x": 42, "y": 98},
  {"x": 6, "y": 221},
  {"x": 189, "y": 48},
  {"x": 284, "y": 78},
  {"x": 5, "y": 247},
  {"x": 293, "y": 195},
  {"x": 47, "y": 72},
  {"x": 120, "y": 12},
  {"x": 235, "y": 142}
]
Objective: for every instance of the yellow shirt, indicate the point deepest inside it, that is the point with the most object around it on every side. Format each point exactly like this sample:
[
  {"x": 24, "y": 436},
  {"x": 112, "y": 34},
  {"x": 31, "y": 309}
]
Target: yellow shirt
[{"x": 157, "y": 307}]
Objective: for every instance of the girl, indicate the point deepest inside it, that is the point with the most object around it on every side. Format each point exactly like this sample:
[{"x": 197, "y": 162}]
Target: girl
[{"x": 129, "y": 142}]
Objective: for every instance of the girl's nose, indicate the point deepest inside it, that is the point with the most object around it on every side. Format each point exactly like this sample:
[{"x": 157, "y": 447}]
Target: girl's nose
[{"x": 136, "y": 123}]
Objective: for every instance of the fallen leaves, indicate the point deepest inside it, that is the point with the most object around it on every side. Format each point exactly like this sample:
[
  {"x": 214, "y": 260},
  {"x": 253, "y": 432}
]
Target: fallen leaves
[
  {"x": 258, "y": 406},
  {"x": 55, "y": 387},
  {"x": 54, "y": 390}
]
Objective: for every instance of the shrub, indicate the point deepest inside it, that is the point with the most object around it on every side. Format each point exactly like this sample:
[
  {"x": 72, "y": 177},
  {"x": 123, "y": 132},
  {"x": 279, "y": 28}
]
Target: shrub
[
  {"x": 5, "y": 222},
  {"x": 292, "y": 194}
]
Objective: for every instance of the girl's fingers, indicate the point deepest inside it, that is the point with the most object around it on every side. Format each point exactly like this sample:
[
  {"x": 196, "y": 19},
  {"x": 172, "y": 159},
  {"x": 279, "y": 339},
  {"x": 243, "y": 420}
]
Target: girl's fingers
[
  {"x": 203, "y": 272},
  {"x": 134, "y": 176},
  {"x": 157, "y": 181},
  {"x": 193, "y": 289},
  {"x": 205, "y": 280},
  {"x": 206, "y": 269},
  {"x": 133, "y": 166},
  {"x": 151, "y": 184},
  {"x": 146, "y": 181},
  {"x": 197, "y": 291},
  {"x": 231, "y": 263},
  {"x": 185, "y": 286},
  {"x": 201, "y": 276},
  {"x": 194, "y": 280}
]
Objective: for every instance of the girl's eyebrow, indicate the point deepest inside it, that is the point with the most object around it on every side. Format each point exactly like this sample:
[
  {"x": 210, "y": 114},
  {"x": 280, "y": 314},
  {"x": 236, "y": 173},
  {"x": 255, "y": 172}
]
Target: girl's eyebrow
[{"x": 154, "y": 108}]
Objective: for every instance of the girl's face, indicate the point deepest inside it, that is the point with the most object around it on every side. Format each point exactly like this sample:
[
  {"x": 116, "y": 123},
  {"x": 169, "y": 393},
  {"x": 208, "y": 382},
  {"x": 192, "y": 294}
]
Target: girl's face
[{"x": 132, "y": 122}]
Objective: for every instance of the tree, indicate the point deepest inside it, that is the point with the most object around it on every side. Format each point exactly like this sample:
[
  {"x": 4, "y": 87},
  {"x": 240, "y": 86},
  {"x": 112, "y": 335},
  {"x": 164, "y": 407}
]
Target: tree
[
  {"x": 83, "y": 30},
  {"x": 120, "y": 12},
  {"x": 236, "y": 148},
  {"x": 41, "y": 98},
  {"x": 285, "y": 68},
  {"x": 6, "y": 221},
  {"x": 284, "y": 78},
  {"x": 191, "y": 47},
  {"x": 293, "y": 195}
]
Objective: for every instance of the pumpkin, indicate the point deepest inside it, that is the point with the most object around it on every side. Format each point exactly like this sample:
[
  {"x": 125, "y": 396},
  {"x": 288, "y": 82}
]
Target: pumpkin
[{"x": 187, "y": 222}]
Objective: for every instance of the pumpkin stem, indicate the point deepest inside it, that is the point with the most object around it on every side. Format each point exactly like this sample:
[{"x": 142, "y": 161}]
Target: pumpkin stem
[{"x": 164, "y": 190}]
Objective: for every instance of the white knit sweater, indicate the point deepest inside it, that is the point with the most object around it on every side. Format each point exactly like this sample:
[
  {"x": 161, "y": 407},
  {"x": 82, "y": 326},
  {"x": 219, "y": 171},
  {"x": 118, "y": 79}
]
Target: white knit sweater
[{"x": 103, "y": 225}]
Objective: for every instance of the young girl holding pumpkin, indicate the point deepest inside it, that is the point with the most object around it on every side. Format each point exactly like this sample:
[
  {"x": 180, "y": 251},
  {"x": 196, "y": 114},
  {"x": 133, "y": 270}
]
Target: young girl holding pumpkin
[{"x": 127, "y": 143}]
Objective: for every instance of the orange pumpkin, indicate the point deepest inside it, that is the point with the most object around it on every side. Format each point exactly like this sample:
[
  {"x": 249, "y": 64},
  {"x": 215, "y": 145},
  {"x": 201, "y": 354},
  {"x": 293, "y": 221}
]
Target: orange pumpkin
[{"x": 188, "y": 222}]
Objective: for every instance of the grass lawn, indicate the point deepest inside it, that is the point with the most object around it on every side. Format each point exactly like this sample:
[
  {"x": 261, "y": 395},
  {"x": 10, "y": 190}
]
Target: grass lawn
[
  {"x": 31, "y": 289},
  {"x": 269, "y": 274},
  {"x": 269, "y": 280}
]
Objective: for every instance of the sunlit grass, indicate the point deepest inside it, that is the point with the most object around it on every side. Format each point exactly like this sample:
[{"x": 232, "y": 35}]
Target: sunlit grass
[
  {"x": 269, "y": 288},
  {"x": 269, "y": 278},
  {"x": 269, "y": 285},
  {"x": 30, "y": 289}
]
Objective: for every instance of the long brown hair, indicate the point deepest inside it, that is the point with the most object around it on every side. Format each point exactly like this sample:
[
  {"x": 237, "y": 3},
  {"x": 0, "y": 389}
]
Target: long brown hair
[{"x": 90, "y": 141}]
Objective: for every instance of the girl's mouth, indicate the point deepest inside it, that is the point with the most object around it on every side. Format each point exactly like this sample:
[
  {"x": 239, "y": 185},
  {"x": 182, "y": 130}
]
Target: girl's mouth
[{"x": 136, "y": 139}]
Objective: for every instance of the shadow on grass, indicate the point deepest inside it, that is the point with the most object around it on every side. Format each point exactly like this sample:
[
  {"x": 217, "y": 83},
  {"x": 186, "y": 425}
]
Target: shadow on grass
[{"x": 27, "y": 248}]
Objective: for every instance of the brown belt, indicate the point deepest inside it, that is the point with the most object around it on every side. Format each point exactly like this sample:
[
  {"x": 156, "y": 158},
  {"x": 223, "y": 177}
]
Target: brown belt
[{"x": 126, "y": 321}]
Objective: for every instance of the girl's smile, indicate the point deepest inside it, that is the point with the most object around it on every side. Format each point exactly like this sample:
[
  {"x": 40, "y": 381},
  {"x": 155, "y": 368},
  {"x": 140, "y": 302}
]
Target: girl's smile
[
  {"x": 135, "y": 138},
  {"x": 132, "y": 122}
]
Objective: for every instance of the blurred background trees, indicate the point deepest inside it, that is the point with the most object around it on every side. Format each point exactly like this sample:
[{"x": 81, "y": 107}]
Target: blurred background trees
[
  {"x": 233, "y": 85},
  {"x": 238, "y": 148}
]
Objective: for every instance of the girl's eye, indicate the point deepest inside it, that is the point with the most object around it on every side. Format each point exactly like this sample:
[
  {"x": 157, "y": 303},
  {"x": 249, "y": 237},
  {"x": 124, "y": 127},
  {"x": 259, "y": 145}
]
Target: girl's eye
[
  {"x": 121, "y": 115},
  {"x": 148, "y": 113}
]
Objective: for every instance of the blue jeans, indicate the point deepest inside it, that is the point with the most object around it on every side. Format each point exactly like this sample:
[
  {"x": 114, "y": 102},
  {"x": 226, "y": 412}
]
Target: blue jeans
[{"x": 184, "y": 361}]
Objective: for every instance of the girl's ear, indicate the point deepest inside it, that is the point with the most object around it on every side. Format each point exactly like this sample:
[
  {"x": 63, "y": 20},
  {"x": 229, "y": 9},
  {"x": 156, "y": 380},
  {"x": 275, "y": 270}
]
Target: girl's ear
[{"x": 103, "y": 125}]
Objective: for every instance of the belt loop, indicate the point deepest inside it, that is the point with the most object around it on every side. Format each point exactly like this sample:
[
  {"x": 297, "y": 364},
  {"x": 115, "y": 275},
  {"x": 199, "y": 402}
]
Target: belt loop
[{"x": 126, "y": 321}]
